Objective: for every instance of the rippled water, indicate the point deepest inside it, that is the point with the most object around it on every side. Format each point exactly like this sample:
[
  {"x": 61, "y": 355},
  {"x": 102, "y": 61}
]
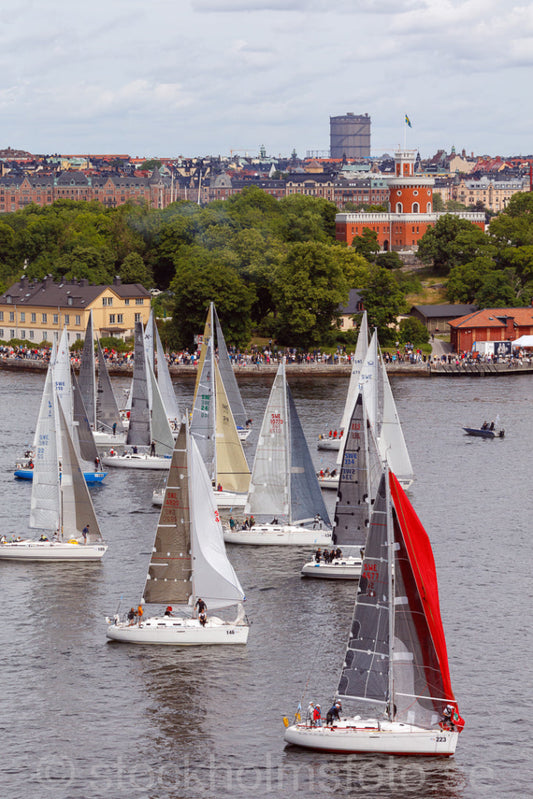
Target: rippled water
[{"x": 85, "y": 718}]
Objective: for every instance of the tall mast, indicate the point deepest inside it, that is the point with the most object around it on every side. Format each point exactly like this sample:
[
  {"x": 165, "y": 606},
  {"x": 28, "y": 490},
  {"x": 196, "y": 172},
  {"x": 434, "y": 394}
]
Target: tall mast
[
  {"x": 390, "y": 589},
  {"x": 288, "y": 447}
]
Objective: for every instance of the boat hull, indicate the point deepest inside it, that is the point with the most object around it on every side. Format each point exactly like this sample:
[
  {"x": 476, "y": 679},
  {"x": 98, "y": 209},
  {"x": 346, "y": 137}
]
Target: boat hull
[
  {"x": 277, "y": 535},
  {"x": 224, "y": 499},
  {"x": 328, "y": 482},
  {"x": 357, "y": 735},
  {"x": 343, "y": 569},
  {"x": 91, "y": 478},
  {"x": 474, "y": 431},
  {"x": 243, "y": 432},
  {"x": 51, "y": 551},
  {"x": 137, "y": 462},
  {"x": 103, "y": 439},
  {"x": 174, "y": 631},
  {"x": 331, "y": 444}
]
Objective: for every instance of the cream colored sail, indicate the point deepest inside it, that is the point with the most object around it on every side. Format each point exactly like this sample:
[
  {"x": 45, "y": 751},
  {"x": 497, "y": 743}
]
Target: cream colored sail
[{"x": 232, "y": 468}]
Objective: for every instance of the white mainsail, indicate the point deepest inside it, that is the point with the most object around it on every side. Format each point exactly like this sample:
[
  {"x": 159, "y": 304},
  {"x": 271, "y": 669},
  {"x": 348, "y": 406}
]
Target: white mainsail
[
  {"x": 87, "y": 374},
  {"x": 203, "y": 413},
  {"x": 232, "y": 470},
  {"x": 361, "y": 349},
  {"x": 228, "y": 375},
  {"x": 160, "y": 427},
  {"x": 77, "y": 509},
  {"x": 168, "y": 395},
  {"x": 391, "y": 442},
  {"x": 213, "y": 577},
  {"x": 45, "y": 497},
  {"x": 62, "y": 381},
  {"x": 269, "y": 486}
]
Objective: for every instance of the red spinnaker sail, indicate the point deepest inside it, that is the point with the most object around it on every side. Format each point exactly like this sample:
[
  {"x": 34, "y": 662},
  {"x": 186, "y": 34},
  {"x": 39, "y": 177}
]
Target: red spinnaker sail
[{"x": 423, "y": 566}]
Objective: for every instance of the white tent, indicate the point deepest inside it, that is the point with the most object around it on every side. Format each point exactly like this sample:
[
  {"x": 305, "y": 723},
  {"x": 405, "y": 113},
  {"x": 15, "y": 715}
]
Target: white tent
[{"x": 523, "y": 341}]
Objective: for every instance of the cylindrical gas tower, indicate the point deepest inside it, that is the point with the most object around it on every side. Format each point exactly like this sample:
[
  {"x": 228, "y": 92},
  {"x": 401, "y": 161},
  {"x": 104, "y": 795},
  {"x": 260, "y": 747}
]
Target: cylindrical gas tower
[{"x": 349, "y": 136}]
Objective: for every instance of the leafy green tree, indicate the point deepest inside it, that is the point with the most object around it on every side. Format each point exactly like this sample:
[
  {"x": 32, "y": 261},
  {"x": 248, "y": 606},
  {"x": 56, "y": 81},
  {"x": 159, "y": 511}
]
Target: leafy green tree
[
  {"x": 195, "y": 286},
  {"x": 367, "y": 244},
  {"x": 389, "y": 260},
  {"x": 466, "y": 283},
  {"x": 151, "y": 164},
  {"x": 414, "y": 331},
  {"x": 134, "y": 270},
  {"x": 444, "y": 244},
  {"x": 308, "y": 287},
  {"x": 306, "y": 218},
  {"x": 384, "y": 301}
]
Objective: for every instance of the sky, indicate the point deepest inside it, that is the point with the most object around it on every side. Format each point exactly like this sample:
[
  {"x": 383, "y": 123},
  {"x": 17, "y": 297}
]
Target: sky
[{"x": 163, "y": 78}]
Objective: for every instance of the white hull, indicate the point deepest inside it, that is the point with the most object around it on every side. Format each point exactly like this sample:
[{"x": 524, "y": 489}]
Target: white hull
[
  {"x": 243, "y": 432},
  {"x": 343, "y": 569},
  {"x": 175, "y": 631},
  {"x": 368, "y": 735},
  {"x": 51, "y": 551},
  {"x": 224, "y": 499},
  {"x": 103, "y": 439},
  {"x": 329, "y": 482},
  {"x": 138, "y": 461},
  {"x": 278, "y": 535},
  {"x": 332, "y": 444}
]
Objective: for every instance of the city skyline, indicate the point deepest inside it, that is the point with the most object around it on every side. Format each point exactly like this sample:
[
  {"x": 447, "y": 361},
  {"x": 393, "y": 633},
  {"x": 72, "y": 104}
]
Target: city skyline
[{"x": 220, "y": 76}]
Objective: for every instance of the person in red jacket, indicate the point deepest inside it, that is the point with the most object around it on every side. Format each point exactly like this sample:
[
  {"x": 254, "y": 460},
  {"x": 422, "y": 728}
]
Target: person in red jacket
[{"x": 317, "y": 716}]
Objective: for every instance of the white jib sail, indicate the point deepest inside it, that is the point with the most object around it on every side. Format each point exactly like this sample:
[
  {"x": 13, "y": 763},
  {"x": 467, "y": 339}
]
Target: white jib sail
[
  {"x": 164, "y": 382},
  {"x": 368, "y": 383},
  {"x": 161, "y": 432},
  {"x": 45, "y": 498},
  {"x": 391, "y": 441},
  {"x": 270, "y": 484},
  {"x": 63, "y": 382},
  {"x": 214, "y": 577}
]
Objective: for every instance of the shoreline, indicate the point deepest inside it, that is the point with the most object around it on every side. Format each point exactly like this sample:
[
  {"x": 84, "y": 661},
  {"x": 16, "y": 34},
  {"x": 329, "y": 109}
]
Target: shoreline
[{"x": 307, "y": 370}]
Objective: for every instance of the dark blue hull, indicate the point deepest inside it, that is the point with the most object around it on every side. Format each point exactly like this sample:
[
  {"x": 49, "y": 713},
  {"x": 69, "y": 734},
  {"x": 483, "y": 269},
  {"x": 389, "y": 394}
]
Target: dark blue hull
[
  {"x": 91, "y": 478},
  {"x": 477, "y": 431}
]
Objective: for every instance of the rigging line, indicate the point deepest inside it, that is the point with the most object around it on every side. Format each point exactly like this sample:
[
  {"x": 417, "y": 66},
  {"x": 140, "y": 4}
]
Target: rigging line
[{"x": 311, "y": 669}]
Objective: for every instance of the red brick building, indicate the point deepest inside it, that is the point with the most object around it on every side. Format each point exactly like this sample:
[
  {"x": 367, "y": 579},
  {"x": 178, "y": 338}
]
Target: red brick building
[
  {"x": 491, "y": 324},
  {"x": 410, "y": 210}
]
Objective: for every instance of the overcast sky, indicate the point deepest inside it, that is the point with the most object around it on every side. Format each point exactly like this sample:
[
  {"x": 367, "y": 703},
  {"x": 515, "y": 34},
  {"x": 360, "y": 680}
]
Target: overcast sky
[{"x": 199, "y": 77}]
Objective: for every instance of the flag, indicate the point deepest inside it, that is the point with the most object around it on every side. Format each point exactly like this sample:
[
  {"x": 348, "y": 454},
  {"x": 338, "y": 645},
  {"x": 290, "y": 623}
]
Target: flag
[{"x": 408, "y": 121}]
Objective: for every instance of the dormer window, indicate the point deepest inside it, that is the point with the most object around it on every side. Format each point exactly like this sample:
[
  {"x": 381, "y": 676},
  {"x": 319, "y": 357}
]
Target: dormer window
[
  {"x": 9, "y": 299},
  {"x": 69, "y": 300}
]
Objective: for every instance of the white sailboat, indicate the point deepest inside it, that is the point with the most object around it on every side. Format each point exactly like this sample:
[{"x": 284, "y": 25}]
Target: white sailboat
[
  {"x": 148, "y": 429},
  {"x": 60, "y": 502},
  {"x": 396, "y": 656},
  {"x": 329, "y": 441},
  {"x": 155, "y": 354},
  {"x": 383, "y": 417},
  {"x": 358, "y": 481},
  {"x": 213, "y": 428},
  {"x": 188, "y": 562},
  {"x": 98, "y": 398},
  {"x": 242, "y": 423},
  {"x": 284, "y": 483}
]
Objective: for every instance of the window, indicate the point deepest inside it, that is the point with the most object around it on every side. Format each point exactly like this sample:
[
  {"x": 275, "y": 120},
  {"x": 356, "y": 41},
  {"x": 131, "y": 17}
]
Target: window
[
  {"x": 22, "y": 316},
  {"x": 139, "y": 301},
  {"x": 399, "y": 208},
  {"x": 429, "y": 208},
  {"x": 111, "y": 318},
  {"x": 12, "y": 316},
  {"x": 416, "y": 208},
  {"x": 1, "y": 332},
  {"x": 23, "y": 334},
  {"x": 67, "y": 319},
  {"x": 126, "y": 302},
  {"x": 56, "y": 319},
  {"x": 137, "y": 317},
  {"x": 34, "y": 317},
  {"x": 11, "y": 334},
  {"x": 78, "y": 319},
  {"x": 120, "y": 318},
  {"x": 78, "y": 336},
  {"x": 44, "y": 318},
  {"x": 107, "y": 300},
  {"x": 415, "y": 193},
  {"x": 32, "y": 334},
  {"x": 1, "y": 316}
]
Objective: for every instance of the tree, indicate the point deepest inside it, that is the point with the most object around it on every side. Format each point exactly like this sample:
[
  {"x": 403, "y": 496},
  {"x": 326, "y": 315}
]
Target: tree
[
  {"x": 384, "y": 301},
  {"x": 198, "y": 284},
  {"x": 443, "y": 246},
  {"x": 309, "y": 286},
  {"x": 389, "y": 260},
  {"x": 134, "y": 270},
  {"x": 151, "y": 164},
  {"x": 367, "y": 244},
  {"x": 414, "y": 331}
]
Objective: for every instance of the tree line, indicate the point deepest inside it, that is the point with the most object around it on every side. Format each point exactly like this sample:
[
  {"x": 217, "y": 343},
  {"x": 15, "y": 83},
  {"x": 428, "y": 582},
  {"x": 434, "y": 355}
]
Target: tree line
[{"x": 273, "y": 267}]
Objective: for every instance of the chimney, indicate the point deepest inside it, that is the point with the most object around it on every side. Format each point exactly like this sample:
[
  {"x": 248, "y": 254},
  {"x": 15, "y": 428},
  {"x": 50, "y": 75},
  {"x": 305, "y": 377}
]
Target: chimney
[{"x": 117, "y": 280}]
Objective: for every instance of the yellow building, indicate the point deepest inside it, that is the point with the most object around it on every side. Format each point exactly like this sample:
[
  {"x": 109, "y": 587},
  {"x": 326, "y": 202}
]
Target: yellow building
[{"x": 39, "y": 310}]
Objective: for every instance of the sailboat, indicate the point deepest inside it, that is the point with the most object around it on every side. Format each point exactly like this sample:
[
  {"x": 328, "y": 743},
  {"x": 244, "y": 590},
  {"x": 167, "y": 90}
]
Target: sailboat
[
  {"x": 148, "y": 429},
  {"x": 331, "y": 441},
  {"x": 213, "y": 428},
  {"x": 60, "y": 501},
  {"x": 396, "y": 656},
  {"x": 383, "y": 416},
  {"x": 75, "y": 414},
  {"x": 188, "y": 562},
  {"x": 358, "y": 481},
  {"x": 156, "y": 355},
  {"x": 284, "y": 482},
  {"x": 98, "y": 398}
]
